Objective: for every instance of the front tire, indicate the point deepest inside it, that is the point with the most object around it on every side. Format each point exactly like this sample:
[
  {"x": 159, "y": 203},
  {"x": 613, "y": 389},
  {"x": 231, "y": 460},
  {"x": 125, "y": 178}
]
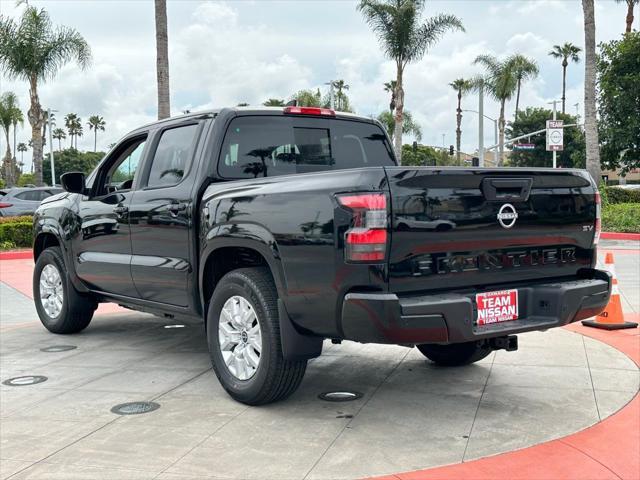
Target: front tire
[
  {"x": 456, "y": 354},
  {"x": 243, "y": 333},
  {"x": 61, "y": 308}
]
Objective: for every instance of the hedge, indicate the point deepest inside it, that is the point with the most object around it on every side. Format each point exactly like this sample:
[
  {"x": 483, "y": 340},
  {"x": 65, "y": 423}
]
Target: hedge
[
  {"x": 621, "y": 195},
  {"x": 621, "y": 217},
  {"x": 16, "y": 232}
]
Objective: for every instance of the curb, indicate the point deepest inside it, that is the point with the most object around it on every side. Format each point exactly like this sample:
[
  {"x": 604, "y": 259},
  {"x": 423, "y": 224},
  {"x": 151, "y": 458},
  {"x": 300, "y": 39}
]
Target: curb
[
  {"x": 16, "y": 255},
  {"x": 620, "y": 236}
]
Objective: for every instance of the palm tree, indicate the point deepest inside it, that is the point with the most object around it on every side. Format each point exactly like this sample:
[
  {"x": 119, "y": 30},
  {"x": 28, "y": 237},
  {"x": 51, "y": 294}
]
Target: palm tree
[
  {"x": 566, "y": 52},
  {"x": 461, "y": 86},
  {"x": 96, "y": 123},
  {"x": 274, "y": 102},
  {"x": 340, "y": 85},
  {"x": 525, "y": 69},
  {"x": 390, "y": 87},
  {"x": 71, "y": 121},
  {"x": 77, "y": 132},
  {"x": 9, "y": 115},
  {"x": 409, "y": 126},
  {"x": 21, "y": 148},
  {"x": 59, "y": 134},
  {"x": 162, "y": 59},
  {"x": 590, "y": 120},
  {"x": 33, "y": 50},
  {"x": 500, "y": 82},
  {"x": 630, "y": 5},
  {"x": 405, "y": 38},
  {"x": 18, "y": 119}
]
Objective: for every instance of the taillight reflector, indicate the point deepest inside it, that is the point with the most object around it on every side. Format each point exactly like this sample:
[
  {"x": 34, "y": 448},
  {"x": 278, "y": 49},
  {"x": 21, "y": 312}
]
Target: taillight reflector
[
  {"x": 310, "y": 111},
  {"x": 5, "y": 205},
  {"x": 366, "y": 240}
]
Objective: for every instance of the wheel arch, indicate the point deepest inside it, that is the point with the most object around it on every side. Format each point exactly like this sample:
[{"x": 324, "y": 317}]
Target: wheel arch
[{"x": 229, "y": 253}]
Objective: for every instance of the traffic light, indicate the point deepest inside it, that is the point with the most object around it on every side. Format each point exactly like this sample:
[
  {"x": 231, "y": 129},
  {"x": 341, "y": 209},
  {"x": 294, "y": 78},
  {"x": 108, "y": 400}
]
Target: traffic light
[
  {"x": 475, "y": 162},
  {"x": 451, "y": 150},
  {"x": 415, "y": 147}
]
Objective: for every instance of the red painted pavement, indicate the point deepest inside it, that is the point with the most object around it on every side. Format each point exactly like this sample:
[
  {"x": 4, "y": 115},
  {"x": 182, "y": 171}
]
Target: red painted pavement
[
  {"x": 620, "y": 236},
  {"x": 18, "y": 274}
]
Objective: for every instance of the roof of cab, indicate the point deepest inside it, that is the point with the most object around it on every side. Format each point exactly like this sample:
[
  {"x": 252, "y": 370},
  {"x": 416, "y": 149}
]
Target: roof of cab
[{"x": 260, "y": 110}]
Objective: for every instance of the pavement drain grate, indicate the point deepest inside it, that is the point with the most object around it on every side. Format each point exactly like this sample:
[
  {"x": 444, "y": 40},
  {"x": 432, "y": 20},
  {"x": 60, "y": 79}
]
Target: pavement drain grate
[
  {"x": 58, "y": 348},
  {"x": 24, "y": 380},
  {"x": 342, "y": 396},
  {"x": 135, "y": 408}
]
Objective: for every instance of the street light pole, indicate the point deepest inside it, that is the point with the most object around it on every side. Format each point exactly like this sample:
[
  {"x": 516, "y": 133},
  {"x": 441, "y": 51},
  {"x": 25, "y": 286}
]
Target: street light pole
[
  {"x": 481, "y": 125},
  {"x": 554, "y": 118},
  {"x": 495, "y": 133},
  {"x": 53, "y": 167}
]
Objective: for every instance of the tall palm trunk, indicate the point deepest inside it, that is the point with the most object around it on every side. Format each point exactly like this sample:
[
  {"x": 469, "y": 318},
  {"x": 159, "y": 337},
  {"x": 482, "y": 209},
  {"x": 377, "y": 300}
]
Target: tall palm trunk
[
  {"x": 458, "y": 127},
  {"x": 590, "y": 122},
  {"x": 629, "y": 16},
  {"x": 59, "y": 144},
  {"x": 36, "y": 119},
  {"x": 501, "y": 133},
  {"x": 95, "y": 140},
  {"x": 162, "y": 59},
  {"x": 399, "y": 118},
  {"x": 564, "y": 83},
  {"x": 518, "y": 99},
  {"x": 8, "y": 171}
]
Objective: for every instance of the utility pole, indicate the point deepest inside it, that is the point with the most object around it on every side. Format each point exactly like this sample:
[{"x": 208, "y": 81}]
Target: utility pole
[
  {"x": 554, "y": 118},
  {"x": 443, "y": 135},
  {"x": 53, "y": 168},
  {"x": 331, "y": 99},
  {"x": 496, "y": 153},
  {"x": 481, "y": 125}
]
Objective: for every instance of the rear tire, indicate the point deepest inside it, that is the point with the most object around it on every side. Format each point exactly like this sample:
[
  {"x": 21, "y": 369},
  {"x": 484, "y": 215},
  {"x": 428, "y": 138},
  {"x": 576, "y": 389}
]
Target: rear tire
[
  {"x": 456, "y": 354},
  {"x": 248, "y": 361},
  {"x": 61, "y": 308}
]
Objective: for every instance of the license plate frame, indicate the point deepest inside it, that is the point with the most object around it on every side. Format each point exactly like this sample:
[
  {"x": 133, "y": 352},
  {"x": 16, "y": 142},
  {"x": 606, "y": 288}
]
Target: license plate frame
[{"x": 500, "y": 306}]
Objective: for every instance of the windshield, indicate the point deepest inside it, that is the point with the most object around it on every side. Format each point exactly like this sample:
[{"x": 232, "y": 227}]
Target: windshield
[{"x": 264, "y": 146}]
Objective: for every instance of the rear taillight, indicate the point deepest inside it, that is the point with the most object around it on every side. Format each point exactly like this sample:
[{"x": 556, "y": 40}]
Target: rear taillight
[
  {"x": 5, "y": 205},
  {"x": 366, "y": 240},
  {"x": 598, "y": 226},
  {"x": 325, "y": 112}
]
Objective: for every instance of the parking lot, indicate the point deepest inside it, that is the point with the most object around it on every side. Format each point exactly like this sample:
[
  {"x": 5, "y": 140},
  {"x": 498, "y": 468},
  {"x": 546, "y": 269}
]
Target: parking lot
[{"x": 411, "y": 415}]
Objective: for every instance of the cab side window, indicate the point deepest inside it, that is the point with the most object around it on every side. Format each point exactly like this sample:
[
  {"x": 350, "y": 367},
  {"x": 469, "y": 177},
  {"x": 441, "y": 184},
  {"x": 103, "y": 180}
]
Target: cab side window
[
  {"x": 173, "y": 156},
  {"x": 118, "y": 173}
]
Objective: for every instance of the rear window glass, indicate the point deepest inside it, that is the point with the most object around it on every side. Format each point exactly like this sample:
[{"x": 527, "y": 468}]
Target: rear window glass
[{"x": 268, "y": 146}]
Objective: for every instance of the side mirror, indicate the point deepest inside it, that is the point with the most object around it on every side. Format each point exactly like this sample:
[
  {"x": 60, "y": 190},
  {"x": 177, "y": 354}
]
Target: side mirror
[{"x": 72, "y": 182}]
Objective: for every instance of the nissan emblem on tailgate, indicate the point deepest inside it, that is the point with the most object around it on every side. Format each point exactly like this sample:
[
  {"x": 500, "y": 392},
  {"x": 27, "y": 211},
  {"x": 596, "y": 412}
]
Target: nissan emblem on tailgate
[{"x": 507, "y": 215}]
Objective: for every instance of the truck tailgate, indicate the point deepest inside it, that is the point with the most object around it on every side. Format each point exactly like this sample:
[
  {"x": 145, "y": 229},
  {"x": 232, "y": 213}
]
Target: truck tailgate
[{"x": 473, "y": 228}]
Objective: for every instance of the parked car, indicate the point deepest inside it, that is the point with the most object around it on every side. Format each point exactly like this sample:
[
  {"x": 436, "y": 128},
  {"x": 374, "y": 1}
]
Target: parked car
[
  {"x": 24, "y": 201},
  {"x": 279, "y": 227}
]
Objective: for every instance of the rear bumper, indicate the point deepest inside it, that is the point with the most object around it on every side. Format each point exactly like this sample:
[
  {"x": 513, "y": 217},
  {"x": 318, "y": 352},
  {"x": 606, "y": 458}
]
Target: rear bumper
[{"x": 450, "y": 318}]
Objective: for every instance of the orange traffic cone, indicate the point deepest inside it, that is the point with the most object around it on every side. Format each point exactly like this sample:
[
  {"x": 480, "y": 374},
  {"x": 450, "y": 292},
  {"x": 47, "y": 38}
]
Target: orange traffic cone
[{"x": 612, "y": 318}]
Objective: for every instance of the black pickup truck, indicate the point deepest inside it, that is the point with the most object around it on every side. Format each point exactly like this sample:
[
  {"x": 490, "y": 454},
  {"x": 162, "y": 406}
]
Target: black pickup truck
[{"x": 283, "y": 227}]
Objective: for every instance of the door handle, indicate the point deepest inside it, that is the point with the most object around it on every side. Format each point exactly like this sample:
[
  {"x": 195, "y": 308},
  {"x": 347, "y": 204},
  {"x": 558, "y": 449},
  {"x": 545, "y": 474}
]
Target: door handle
[
  {"x": 120, "y": 210},
  {"x": 177, "y": 207}
]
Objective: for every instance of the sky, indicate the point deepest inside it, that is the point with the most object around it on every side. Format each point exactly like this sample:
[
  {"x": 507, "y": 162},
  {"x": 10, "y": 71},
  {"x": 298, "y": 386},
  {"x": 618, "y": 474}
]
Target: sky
[{"x": 222, "y": 53}]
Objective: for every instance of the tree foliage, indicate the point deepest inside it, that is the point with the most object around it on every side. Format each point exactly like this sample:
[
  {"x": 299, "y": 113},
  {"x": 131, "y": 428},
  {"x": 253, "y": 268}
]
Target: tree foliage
[
  {"x": 619, "y": 102},
  {"x": 533, "y": 119},
  {"x": 425, "y": 156},
  {"x": 71, "y": 160},
  {"x": 409, "y": 126},
  {"x": 33, "y": 50}
]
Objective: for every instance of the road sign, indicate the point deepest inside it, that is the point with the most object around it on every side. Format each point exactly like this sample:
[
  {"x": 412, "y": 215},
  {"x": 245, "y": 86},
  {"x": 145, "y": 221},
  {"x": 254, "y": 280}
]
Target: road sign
[
  {"x": 555, "y": 135},
  {"x": 524, "y": 146}
]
